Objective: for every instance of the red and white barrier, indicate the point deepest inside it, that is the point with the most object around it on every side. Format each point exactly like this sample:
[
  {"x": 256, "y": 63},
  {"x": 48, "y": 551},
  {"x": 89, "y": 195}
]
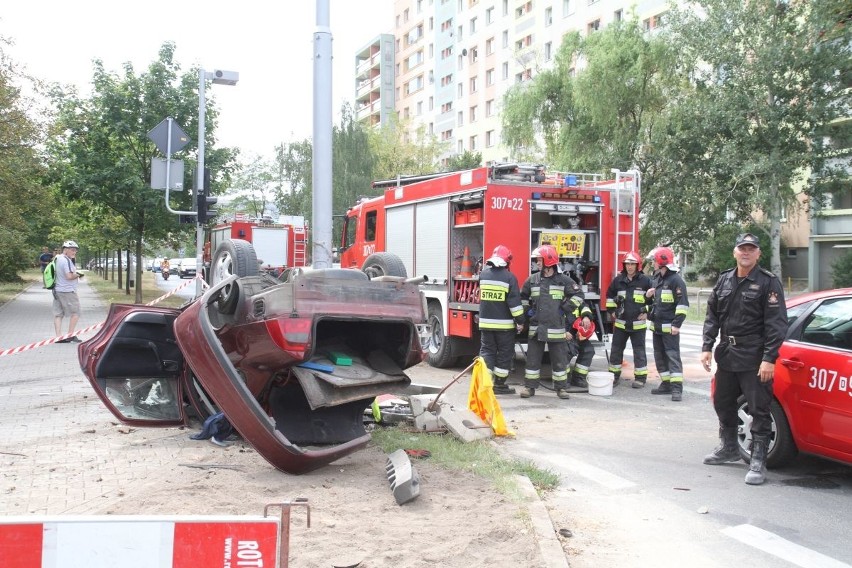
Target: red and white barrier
[
  {"x": 139, "y": 542},
  {"x": 43, "y": 342}
]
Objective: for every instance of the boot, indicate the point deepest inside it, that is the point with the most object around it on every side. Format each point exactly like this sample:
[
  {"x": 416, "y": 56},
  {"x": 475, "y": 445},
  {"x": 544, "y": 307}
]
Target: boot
[
  {"x": 639, "y": 383},
  {"x": 664, "y": 388},
  {"x": 756, "y": 474},
  {"x": 578, "y": 383},
  {"x": 500, "y": 387},
  {"x": 527, "y": 392},
  {"x": 677, "y": 392},
  {"x": 560, "y": 390},
  {"x": 616, "y": 378},
  {"x": 728, "y": 451}
]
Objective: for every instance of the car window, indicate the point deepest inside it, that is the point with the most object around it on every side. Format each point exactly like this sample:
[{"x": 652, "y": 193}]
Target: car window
[
  {"x": 830, "y": 324},
  {"x": 794, "y": 312}
]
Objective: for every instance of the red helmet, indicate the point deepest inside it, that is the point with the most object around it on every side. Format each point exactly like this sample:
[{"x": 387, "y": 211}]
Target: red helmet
[
  {"x": 664, "y": 256},
  {"x": 631, "y": 256},
  {"x": 549, "y": 256},
  {"x": 536, "y": 253},
  {"x": 503, "y": 252},
  {"x": 583, "y": 333}
]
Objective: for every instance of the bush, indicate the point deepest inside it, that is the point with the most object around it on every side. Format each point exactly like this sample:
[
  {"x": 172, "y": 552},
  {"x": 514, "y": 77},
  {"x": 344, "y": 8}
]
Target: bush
[{"x": 841, "y": 271}]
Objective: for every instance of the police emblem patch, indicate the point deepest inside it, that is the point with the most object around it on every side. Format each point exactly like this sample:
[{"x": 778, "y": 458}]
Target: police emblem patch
[
  {"x": 754, "y": 287},
  {"x": 773, "y": 298}
]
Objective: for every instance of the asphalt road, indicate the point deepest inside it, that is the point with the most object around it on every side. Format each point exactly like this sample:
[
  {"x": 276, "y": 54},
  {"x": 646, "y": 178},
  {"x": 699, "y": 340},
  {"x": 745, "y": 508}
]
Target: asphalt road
[
  {"x": 174, "y": 282},
  {"x": 634, "y": 491}
]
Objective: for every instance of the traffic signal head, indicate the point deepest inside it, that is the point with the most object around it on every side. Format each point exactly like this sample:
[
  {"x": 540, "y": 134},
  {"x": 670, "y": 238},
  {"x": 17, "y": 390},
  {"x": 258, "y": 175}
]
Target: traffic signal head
[{"x": 205, "y": 202}]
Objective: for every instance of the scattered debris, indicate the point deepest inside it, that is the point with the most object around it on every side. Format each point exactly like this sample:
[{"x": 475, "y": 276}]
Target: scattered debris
[
  {"x": 681, "y": 488},
  {"x": 404, "y": 479},
  {"x": 703, "y": 510},
  {"x": 212, "y": 466},
  {"x": 419, "y": 454},
  {"x": 566, "y": 533}
]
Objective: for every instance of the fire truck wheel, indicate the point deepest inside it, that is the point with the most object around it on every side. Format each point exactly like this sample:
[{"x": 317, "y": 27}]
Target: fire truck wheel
[
  {"x": 384, "y": 264},
  {"x": 232, "y": 256},
  {"x": 440, "y": 351}
]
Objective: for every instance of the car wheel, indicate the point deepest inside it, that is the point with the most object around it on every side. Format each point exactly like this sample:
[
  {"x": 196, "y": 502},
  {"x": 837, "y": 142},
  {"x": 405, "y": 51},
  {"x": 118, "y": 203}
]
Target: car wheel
[
  {"x": 232, "y": 256},
  {"x": 440, "y": 350},
  {"x": 782, "y": 449},
  {"x": 384, "y": 264}
]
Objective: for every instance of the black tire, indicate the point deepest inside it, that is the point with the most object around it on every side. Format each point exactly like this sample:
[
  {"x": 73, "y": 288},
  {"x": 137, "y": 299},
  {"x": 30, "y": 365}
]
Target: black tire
[
  {"x": 782, "y": 448},
  {"x": 232, "y": 256},
  {"x": 384, "y": 264},
  {"x": 439, "y": 353}
]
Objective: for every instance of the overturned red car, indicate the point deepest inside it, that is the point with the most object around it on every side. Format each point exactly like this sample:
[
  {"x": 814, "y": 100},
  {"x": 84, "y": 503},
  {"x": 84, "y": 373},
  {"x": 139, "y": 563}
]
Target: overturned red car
[{"x": 292, "y": 362}]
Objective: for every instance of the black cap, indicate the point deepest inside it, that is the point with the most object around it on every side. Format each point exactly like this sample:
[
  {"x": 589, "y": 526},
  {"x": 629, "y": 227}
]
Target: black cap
[{"x": 747, "y": 239}]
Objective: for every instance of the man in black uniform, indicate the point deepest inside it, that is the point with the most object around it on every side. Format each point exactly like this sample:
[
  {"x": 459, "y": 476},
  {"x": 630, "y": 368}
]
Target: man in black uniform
[
  {"x": 628, "y": 310},
  {"x": 747, "y": 306},
  {"x": 668, "y": 314},
  {"x": 501, "y": 315},
  {"x": 555, "y": 302}
]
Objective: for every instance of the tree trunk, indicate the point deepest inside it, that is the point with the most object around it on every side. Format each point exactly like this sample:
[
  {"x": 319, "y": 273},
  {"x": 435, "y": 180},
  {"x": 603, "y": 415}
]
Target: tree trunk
[
  {"x": 775, "y": 241},
  {"x": 138, "y": 271}
]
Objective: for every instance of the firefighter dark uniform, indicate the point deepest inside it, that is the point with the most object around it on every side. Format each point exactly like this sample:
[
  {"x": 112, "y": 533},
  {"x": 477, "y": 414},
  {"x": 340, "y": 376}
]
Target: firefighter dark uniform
[
  {"x": 626, "y": 301},
  {"x": 750, "y": 317},
  {"x": 669, "y": 310},
  {"x": 554, "y": 302},
  {"x": 500, "y": 310}
]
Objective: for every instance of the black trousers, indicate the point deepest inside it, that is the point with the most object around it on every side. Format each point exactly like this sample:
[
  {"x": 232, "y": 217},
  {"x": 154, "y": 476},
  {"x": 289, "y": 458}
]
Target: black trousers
[
  {"x": 640, "y": 358},
  {"x": 498, "y": 349},
  {"x": 667, "y": 357},
  {"x": 729, "y": 385}
]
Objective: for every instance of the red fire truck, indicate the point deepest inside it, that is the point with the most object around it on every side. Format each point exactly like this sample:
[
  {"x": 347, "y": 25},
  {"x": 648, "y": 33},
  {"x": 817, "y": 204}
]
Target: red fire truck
[
  {"x": 443, "y": 226},
  {"x": 277, "y": 245}
]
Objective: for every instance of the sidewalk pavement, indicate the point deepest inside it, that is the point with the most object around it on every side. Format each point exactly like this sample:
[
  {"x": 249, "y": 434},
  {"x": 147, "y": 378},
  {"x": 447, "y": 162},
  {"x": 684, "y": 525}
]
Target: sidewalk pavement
[{"x": 58, "y": 453}]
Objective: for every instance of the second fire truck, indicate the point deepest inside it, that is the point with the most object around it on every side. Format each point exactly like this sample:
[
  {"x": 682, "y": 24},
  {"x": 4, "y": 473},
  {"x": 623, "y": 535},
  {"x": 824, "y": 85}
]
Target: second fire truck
[{"x": 443, "y": 226}]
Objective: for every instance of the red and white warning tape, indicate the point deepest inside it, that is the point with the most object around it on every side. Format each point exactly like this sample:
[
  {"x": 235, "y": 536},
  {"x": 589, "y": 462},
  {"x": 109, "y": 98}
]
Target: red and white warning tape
[{"x": 43, "y": 342}]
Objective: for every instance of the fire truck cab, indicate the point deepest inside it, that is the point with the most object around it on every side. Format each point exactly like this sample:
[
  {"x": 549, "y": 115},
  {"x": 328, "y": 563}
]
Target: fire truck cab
[{"x": 444, "y": 226}]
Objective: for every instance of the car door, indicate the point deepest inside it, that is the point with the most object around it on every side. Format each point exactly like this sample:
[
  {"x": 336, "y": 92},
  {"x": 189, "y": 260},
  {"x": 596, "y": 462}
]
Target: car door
[
  {"x": 135, "y": 365},
  {"x": 815, "y": 365}
]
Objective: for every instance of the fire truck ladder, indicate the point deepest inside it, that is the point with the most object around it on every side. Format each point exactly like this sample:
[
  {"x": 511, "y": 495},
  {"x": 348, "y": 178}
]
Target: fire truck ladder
[
  {"x": 300, "y": 246},
  {"x": 626, "y": 189}
]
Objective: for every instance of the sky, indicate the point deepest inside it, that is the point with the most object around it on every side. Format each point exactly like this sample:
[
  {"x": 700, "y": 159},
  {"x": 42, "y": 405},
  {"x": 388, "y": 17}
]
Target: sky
[{"x": 268, "y": 42}]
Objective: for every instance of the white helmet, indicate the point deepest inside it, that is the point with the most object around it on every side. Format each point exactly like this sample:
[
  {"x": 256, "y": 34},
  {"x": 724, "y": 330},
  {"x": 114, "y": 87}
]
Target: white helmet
[{"x": 70, "y": 244}]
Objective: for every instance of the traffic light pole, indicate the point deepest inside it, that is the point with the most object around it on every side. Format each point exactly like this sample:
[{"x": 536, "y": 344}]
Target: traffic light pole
[{"x": 199, "y": 181}]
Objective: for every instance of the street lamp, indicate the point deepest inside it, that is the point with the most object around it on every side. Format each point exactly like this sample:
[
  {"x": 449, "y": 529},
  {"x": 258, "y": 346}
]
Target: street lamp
[{"x": 218, "y": 77}]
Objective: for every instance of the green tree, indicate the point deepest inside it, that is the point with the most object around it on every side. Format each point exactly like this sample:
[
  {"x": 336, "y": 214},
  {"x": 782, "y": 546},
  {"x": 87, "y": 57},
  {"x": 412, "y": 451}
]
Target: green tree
[
  {"x": 841, "y": 271},
  {"x": 252, "y": 187},
  {"x": 766, "y": 74},
  {"x": 397, "y": 153},
  {"x": 28, "y": 207},
  {"x": 467, "y": 160},
  {"x": 102, "y": 156},
  {"x": 596, "y": 115}
]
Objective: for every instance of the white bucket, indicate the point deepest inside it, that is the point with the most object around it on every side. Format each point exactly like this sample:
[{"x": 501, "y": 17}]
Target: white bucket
[{"x": 600, "y": 383}]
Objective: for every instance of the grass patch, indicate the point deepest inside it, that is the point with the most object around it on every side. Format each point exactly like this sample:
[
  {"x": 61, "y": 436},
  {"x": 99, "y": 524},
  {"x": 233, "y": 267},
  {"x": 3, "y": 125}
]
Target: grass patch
[
  {"x": 480, "y": 458},
  {"x": 9, "y": 290},
  {"x": 110, "y": 294}
]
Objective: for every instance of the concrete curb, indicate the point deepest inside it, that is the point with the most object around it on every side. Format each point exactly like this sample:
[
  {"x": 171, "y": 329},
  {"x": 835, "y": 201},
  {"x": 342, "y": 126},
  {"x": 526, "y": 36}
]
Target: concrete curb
[{"x": 548, "y": 543}]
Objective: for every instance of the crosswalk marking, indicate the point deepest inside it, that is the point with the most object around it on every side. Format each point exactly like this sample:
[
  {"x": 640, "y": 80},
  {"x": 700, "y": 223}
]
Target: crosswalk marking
[{"x": 782, "y": 548}]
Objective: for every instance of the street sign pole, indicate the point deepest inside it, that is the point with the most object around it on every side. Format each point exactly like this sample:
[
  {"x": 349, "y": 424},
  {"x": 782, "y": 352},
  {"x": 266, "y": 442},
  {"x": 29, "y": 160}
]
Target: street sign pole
[{"x": 199, "y": 181}]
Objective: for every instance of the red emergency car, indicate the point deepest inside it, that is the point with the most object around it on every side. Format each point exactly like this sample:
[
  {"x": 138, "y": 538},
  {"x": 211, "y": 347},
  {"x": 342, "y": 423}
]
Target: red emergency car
[{"x": 812, "y": 410}]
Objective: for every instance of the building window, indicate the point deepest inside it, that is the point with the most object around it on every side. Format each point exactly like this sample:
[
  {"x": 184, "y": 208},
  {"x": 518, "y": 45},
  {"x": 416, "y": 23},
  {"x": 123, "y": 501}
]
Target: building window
[
  {"x": 447, "y": 107},
  {"x": 593, "y": 26},
  {"x": 489, "y": 108},
  {"x": 548, "y": 51},
  {"x": 490, "y": 138},
  {"x": 431, "y": 103},
  {"x": 474, "y": 54},
  {"x": 404, "y": 17},
  {"x": 473, "y": 112},
  {"x": 460, "y": 119},
  {"x": 523, "y": 9},
  {"x": 792, "y": 253},
  {"x": 548, "y": 16},
  {"x": 505, "y": 38},
  {"x": 460, "y": 32},
  {"x": 472, "y": 26},
  {"x": 473, "y": 143},
  {"x": 473, "y": 84},
  {"x": 460, "y": 90},
  {"x": 420, "y": 108},
  {"x": 505, "y": 7},
  {"x": 406, "y": 114},
  {"x": 618, "y": 15},
  {"x": 489, "y": 77},
  {"x": 567, "y": 8},
  {"x": 489, "y": 46},
  {"x": 505, "y": 70},
  {"x": 431, "y": 129},
  {"x": 447, "y": 25},
  {"x": 489, "y": 15},
  {"x": 460, "y": 146},
  {"x": 447, "y": 135}
]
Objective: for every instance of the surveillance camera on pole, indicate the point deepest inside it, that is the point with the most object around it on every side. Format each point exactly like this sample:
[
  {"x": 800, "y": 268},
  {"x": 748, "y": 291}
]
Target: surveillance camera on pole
[{"x": 222, "y": 77}]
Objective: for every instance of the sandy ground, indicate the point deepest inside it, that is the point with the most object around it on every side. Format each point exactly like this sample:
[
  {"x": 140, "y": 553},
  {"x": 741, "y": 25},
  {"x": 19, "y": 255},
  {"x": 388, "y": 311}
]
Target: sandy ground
[{"x": 458, "y": 521}]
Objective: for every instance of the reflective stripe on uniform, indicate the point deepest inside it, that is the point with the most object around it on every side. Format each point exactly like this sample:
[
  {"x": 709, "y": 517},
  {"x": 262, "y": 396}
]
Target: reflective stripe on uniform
[
  {"x": 496, "y": 324},
  {"x": 681, "y": 309},
  {"x": 558, "y": 376},
  {"x": 500, "y": 373},
  {"x": 532, "y": 374}
]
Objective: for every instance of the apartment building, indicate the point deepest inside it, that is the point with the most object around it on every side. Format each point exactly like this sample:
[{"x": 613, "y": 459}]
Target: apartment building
[
  {"x": 374, "y": 81},
  {"x": 455, "y": 59}
]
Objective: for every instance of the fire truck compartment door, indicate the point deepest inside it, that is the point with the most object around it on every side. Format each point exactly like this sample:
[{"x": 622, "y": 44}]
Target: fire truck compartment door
[
  {"x": 400, "y": 236},
  {"x": 432, "y": 240},
  {"x": 270, "y": 244}
]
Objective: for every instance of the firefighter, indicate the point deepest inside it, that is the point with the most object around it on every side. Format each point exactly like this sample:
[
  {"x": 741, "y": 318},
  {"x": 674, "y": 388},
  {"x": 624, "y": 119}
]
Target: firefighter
[
  {"x": 555, "y": 302},
  {"x": 747, "y": 306},
  {"x": 501, "y": 316},
  {"x": 667, "y": 314},
  {"x": 628, "y": 309}
]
